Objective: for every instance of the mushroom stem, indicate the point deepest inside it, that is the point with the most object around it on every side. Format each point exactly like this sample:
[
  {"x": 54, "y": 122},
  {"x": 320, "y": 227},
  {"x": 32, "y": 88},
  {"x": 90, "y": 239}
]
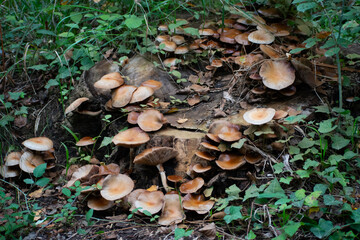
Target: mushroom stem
[
  {"x": 131, "y": 156},
  {"x": 163, "y": 176}
]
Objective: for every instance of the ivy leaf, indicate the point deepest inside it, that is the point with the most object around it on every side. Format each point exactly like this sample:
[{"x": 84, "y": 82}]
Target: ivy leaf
[
  {"x": 251, "y": 192},
  {"x": 300, "y": 194},
  {"x": 42, "y": 182},
  {"x": 89, "y": 214},
  {"x": 303, "y": 173},
  {"x": 286, "y": 180},
  {"x": 66, "y": 34},
  {"x": 329, "y": 200},
  {"x": 16, "y": 95},
  {"x": 332, "y": 51},
  {"x": 105, "y": 142},
  {"x": 326, "y": 126},
  {"x": 310, "y": 163},
  {"x": 39, "y": 67},
  {"x": 296, "y": 50},
  {"x": 339, "y": 142},
  {"x": 306, "y": 143},
  {"x": 251, "y": 235},
  {"x": 239, "y": 143},
  {"x": 192, "y": 31},
  {"x": 274, "y": 190},
  {"x": 233, "y": 213},
  {"x": 323, "y": 229},
  {"x": 303, "y": 7},
  {"x": 322, "y": 109},
  {"x": 40, "y": 170},
  {"x": 311, "y": 200},
  {"x": 291, "y": 228},
  {"x": 295, "y": 119},
  {"x": 133, "y": 22}
]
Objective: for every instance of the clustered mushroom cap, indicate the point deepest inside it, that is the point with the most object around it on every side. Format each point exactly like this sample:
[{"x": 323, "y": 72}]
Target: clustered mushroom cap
[
  {"x": 261, "y": 37},
  {"x": 155, "y": 85},
  {"x": 9, "y": 171},
  {"x": 277, "y": 74},
  {"x": 141, "y": 93},
  {"x": 151, "y": 120},
  {"x": 205, "y": 155},
  {"x": 12, "y": 159},
  {"x": 85, "y": 141},
  {"x": 75, "y": 104},
  {"x": 230, "y": 161},
  {"x": 38, "y": 144},
  {"x": 131, "y": 137},
  {"x": 259, "y": 116},
  {"x": 196, "y": 202},
  {"x": 110, "y": 81},
  {"x": 116, "y": 187},
  {"x": 82, "y": 172},
  {"x": 150, "y": 201},
  {"x": 29, "y": 161},
  {"x": 192, "y": 186},
  {"x": 122, "y": 96},
  {"x": 99, "y": 203},
  {"x": 156, "y": 155},
  {"x": 172, "y": 212},
  {"x": 198, "y": 168}
]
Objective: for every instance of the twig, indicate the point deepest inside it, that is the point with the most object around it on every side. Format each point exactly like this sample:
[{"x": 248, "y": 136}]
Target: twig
[
  {"x": 258, "y": 150},
  {"x": 25, "y": 196},
  {"x": 251, "y": 211}
]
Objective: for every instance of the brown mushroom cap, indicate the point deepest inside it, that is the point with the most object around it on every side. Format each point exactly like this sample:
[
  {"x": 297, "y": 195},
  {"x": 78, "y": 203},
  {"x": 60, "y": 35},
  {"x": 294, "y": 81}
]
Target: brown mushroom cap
[
  {"x": 289, "y": 91},
  {"x": 205, "y": 155},
  {"x": 280, "y": 30},
  {"x": 213, "y": 137},
  {"x": 141, "y": 93},
  {"x": 150, "y": 201},
  {"x": 29, "y": 161},
  {"x": 206, "y": 32},
  {"x": 269, "y": 12},
  {"x": 162, "y": 38},
  {"x": 151, "y": 120},
  {"x": 163, "y": 28},
  {"x": 83, "y": 172},
  {"x": 99, "y": 203},
  {"x": 38, "y": 144},
  {"x": 9, "y": 171},
  {"x": 177, "y": 39},
  {"x": 175, "y": 178},
  {"x": 156, "y": 155},
  {"x": 182, "y": 50},
  {"x": 169, "y": 46},
  {"x": 131, "y": 198},
  {"x": 75, "y": 104},
  {"x": 122, "y": 96},
  {"x": 196, "y": 202},
  {"x": 243, "y": 38},
  {"x": 116, "y": 187},
  {"x": 12, "y": 159},
  {"x": 259, "y": 116},
  {"x": 169, "y": 62},
  {"x": 252, "y": 157},
  {"x": 131, "y": 137},
  {"x": 110, "y": 81},
  {"x": 230, "y": 161},
  {"x": 229, "y": 36},
  {"x": 248, "y": 60},
  {"x": 132, "y": 117},
  {"x": 209, "y": 146},
  {"x": 261, "y": 37},
  {"x": 85, "y": 141},
  {"x": 258, "y": 90},
  {"x": 252, "y": 22},
  {"x": 230, "y": 134},
  {"x": 280, "y": 114},
  {"x": 172, "y": 212},
  {"x": 198, "y": 168},
  {"x": 192, "y": 186},
  {"x": 152, "y": 84},
  {"x": 277, "y": 75}
]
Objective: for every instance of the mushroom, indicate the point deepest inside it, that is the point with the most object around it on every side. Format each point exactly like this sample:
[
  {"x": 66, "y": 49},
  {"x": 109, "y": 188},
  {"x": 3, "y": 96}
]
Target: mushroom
[
  {"x": 192, "y": 186},
  {"x": 205, "y": 155},
  {"x": 122, "y": 96},
  {"x": 116, "y": 187},
  {"x": 131, "y": 197},
  {"x": 261, "y": 37},
  {"x": 162, "y": 38},
  {"x": 181, "y": 50},
  {"x": 156, "y": 156},
  {"x": 131, "y": 138},
  {"x": 170, "y": 62},
  {"x": 198, "y": 168},
  {"x": 29, "y": 161},
  {"x": 252, "y": 157},
  {"x": 289, "y": 91},
  {"x": 230, "y": 161},
  {"x": 277, "y": 75},
  {"x": 172, "y": 212},
  {"x": 109, "y": 81},
  {"x": 141, "y": 93},
  {"x": 152, "y": 84},
  {"x": 259, "y": 116},
  {"x": 83, "y": 172},
  {"x": 151, "y": 120},
  {"x": 242, "y": 38},
  {"x": 85, "y": 141},
  {"x": 169, "y": 46},
  {"x": 12, "y": 159},
  {"x": 75, "y": 104},
  {"x": 98, "y": 203},
  {"x": 150, "y": 201},
  {"x": 196, "y": 202},
  {"x": 177, "y": 39},
  {"x": 38, "y": 144},
  {"x": 279, "y": 114},
  {"x": 269, "y": 51},
  {"x": 132, "y": 117},
  {"x": 9, "y": 171}
]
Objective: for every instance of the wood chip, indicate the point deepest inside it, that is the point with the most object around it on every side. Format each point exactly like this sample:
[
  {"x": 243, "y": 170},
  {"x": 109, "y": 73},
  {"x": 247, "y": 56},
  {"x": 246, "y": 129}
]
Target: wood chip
[{"x": 182, "y": 120}]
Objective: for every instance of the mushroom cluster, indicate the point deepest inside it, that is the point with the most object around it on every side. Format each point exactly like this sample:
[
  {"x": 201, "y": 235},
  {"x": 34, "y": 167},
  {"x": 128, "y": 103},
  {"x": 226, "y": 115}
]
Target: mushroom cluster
[{"x": 38, "y": 150}]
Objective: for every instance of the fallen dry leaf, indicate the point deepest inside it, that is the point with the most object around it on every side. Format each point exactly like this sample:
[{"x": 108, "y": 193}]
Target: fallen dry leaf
[
  {"x": 20, "y": 121},
  {"x": 36, "y": 194},
  {"x": 182, "y": 120},
  {"x": 152, "y": 188},
  {"x": 209, "y": 231},
  {"x": 293, "y": 112},
  {"x": 193, "y": 100},
  {"x": 199, "y": 89}
]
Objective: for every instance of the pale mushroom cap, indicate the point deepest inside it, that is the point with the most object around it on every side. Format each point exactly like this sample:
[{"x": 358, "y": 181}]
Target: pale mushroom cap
[
  {"x": 230, "y": 161},
  {"x": 229, "y": 36},
  {"x": 280, "y": 114},
  {"x": 196, "y": 202},
  {"x": 169, "y": 46},
  {"x": 177, "y": 39},
  {"x": 116, "y": 187},
  {"x": 85, "y": 141},
  {"x": 172, "y": 212},
  {"x": 259, "y": 116},
  {"x": 150, "y": 201},
  {"x": 252, "y": 22},
  {"x": 9, "y": 172},
  {"x": 131, "y": 137},
  {"x": 163, "y": 27},
  {"x": 269, "y": 51},
  {"x": 261, "y": 37},
  {"x": 150, "y": 120},
  {"x": 99, "y": 203},
  {"x": 38, "y": 144},
  {"x": 170, "y": 62},
  {"x": 206, "y": 32},
  {"x": 81, "y": 173},
  {"x": 192, "y": 186},
  {"x": 131, "y": 197},
  {"x": 229, "y": 134},
  {"x": 198, "y": 168},
  {"x": 156, "y": 155},
  {"x": 132, "y": 117},
  {"x": 141, "y": 93},
  {"x": 75, "y": 104},
  {"x": 122, "y": 96},
  {"x": 12, "y": 159},
  {"x": 152, "y": 84},
  {"x": 110, "y": 81},
  {"x": 29, "y": 161},
  {"x": 277, "y": 75},
  {"x": 162, "y": 38},
  {"x": 242, "y": 38},
  {"x": 216, "y": 63}
]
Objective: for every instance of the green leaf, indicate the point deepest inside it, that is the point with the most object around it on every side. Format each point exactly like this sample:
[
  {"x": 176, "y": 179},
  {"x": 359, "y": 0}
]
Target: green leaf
[
  {"x": 355, "y": 215},
  {"x": 303, "y": 173},
  {"x": 300, "y": 194},
  {"x": 286, "y": 180},
  {"x": 105, "y": 142},
  {"x": 66, "y": 192},
  {"x": 311, "y": 200},
  {"x": 192, "y": 31},
  {"x": 76, "y": 17},
  {"x": 295, "y": 119},
  {"x": 251, "y": 235},
  {"x": 40, "y": 170},
  {"x": 332, "y": 51},
  {"x": 303, "y": 7},
  {"x": 329, "y": 43},
  {"x": 81, "y": 231},
  {"x": 329, "y": 200},
  {"x": 66, "y": 34},
  {"x": 51, "y": 83},
  {"x": 323, "y": 229},
  {"x": 320, "y": 187},
  {"x": 5, "y": 120},
  {"x": 239, "y": 143},
  {"x": 339, "y": 142},
  {"x": 147, "y": 213},
  {"x": 306, "y": 143},
  {"x": 326, "y": 126},
  {"x": 176, "y": 73},
  {"x": 233, "y": 213},
  {"x": 22, "y": 110},
  {"x": 296, "y": 50},
  {"x": 42, "y": 182},
  {"x": 72, "y": 25},
  {"x": 274, "y": 190},
  {"x": 46, "y": 32},
  {"x": 291, "y": 228},
  {"x": 133, "y": 22},
  {"x": 251, "y": 192},
  {"x": 322, "y": 109},
  {"x": 89, "y": 215},
  {"x": 335, "y": 159},
  {"x": 16, "y": 95},
  {"x": 180, "y": 233},
  {"x": 310, "y": 163},
  {"x": 39, "y": 67},
  {"x": 278, "y": 168},
  {"x": 28, "y": 181},
  {"x": 353, "y": 56}
]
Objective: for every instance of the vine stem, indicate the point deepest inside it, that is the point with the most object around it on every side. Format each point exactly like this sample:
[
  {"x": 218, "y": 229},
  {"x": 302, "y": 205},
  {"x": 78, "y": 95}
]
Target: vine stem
[{"x": 25, "y": 196}]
